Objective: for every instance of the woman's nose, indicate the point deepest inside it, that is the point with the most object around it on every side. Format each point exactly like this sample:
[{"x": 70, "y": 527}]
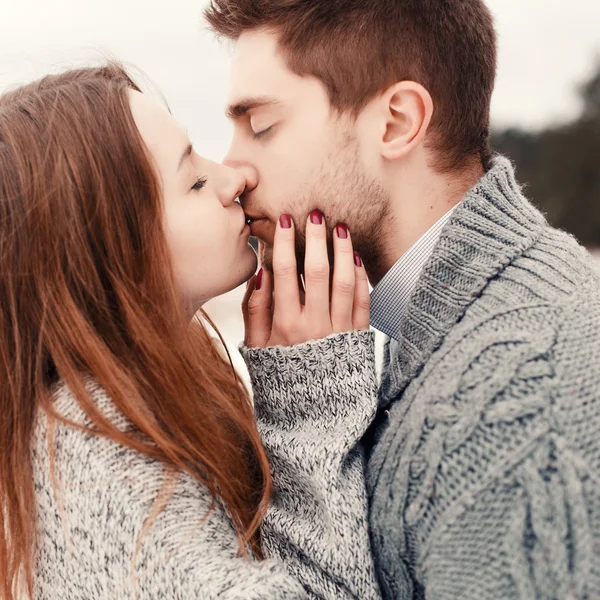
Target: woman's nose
[
  {"x": 231, "y": 185},
  {"x": 248, "y": 171}
]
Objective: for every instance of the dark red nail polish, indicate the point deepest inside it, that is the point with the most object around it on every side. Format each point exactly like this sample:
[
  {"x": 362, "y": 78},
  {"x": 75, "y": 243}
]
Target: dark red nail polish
[
  {"x": 258, "y": 280},
  {"x": 316, "y": 217},
  {"x": 341, "y": 231},
  {"x": 285, "y": 221},
  {"x": 357, "y": 259}
]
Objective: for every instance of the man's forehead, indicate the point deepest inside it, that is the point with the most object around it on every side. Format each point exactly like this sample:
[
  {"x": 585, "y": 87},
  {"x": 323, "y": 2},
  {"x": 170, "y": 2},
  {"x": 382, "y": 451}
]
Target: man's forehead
[
  {"x": 255, "y": 44},
  {"x": 256, "y": 68}
]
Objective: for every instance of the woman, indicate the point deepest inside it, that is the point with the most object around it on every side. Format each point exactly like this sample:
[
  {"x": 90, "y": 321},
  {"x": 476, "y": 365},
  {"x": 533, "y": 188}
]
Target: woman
[{"x": 131, "y": 464}]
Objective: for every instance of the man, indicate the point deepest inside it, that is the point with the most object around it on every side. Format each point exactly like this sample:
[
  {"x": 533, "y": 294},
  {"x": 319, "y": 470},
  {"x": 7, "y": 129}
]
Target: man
[{"x": 484, "y": 468}]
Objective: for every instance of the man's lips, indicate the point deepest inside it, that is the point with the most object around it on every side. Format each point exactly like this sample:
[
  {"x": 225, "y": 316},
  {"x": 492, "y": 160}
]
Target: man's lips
[
  {"x": 250, "y": 218},
  {"x": 259, "y": 226}
]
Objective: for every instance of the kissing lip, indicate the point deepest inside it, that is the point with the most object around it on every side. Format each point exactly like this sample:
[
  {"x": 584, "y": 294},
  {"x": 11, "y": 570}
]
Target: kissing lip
[
  {"x": 245, "y": 228},
  {"x": 259, "y": 227},
  {"x": 251, "y": 218}
]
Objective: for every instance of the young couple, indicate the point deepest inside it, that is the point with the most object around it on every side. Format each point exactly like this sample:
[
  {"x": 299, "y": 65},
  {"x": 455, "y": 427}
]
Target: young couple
[{"x": 133, "y": 464}]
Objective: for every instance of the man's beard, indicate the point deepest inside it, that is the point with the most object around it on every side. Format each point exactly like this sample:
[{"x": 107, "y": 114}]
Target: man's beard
[{"x": 345, "y": 194}]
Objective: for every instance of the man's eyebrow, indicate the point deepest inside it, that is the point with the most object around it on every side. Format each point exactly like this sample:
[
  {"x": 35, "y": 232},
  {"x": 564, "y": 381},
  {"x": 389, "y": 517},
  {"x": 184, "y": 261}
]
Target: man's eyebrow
[
  {"x": 185, "y": 154},
  {"x": 239, "y": 109}
]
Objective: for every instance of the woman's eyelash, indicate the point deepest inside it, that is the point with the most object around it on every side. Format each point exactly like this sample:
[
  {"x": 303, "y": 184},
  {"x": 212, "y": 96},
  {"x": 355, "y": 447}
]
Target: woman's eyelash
[
  {"x": 260, "y": 134},
  {"x": 201, "y": 181}
]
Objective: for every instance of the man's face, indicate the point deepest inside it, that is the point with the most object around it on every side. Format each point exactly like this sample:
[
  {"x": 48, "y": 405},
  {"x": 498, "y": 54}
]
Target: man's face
[{"x": 304, "y": 155}]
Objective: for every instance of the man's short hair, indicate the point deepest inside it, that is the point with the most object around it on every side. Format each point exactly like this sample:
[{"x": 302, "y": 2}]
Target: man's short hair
[{"x": 358, "y": 48}]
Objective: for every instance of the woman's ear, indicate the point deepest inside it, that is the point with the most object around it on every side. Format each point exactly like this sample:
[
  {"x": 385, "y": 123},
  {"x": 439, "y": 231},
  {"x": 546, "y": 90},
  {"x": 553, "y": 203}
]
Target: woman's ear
[{"x": 408, "y": 109}]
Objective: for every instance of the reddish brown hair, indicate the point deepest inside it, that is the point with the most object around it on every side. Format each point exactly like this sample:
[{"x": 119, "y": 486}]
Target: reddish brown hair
[
  {"x": 87, "y": 288},
  {"x": 358, "y": 48}
]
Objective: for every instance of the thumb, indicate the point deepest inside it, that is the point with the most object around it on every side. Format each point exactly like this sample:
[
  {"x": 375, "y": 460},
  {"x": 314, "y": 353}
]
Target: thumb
[{"x": 256, "y": 308}]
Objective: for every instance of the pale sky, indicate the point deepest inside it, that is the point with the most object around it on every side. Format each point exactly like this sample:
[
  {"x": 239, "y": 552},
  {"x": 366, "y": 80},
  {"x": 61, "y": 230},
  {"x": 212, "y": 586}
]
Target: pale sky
[{"x": 546, "y": 48}]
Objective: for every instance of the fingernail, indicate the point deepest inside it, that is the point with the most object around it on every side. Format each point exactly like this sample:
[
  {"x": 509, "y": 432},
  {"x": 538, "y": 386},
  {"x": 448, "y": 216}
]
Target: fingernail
[
  {"x": 341, "y": 231},
  {"x": 258, "y": 280},
  {"x": 285, "y": 221},
  {"x": 357, "y": 259},
  {"x": 316, "y": 217}
]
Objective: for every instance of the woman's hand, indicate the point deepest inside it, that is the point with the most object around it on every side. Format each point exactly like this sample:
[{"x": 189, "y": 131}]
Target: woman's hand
[{"x": 274, "y": 313}]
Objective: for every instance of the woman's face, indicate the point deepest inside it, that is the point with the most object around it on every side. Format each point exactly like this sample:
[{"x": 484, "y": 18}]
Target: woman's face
[{"x": 206, "y": 228}]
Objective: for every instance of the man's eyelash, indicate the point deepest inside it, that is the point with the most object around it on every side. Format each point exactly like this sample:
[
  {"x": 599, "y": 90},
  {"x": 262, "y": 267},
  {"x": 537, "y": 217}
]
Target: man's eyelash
[
  {"x": 201, "y": 181},
  {"x": 260, "y": 134}
]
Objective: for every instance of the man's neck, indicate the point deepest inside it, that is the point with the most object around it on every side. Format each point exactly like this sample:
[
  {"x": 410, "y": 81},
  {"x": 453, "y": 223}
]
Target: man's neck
[{"x": 416, "y": 204}]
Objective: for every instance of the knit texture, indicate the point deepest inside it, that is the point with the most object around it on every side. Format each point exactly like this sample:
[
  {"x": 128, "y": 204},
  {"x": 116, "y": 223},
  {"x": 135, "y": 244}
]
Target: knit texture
[
  {"x": 484, "y": 460},
  {"x": 316, "y": 532}
]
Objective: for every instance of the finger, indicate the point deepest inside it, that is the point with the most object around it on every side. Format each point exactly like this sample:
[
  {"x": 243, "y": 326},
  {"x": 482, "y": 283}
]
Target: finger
[
  {"x": 343, "y": 283},
  {"x": 285, "y": 273},
  {"x": 316, "y": 275},
  {"x": 362, "y": 303},
  {"x": 256, "y": 308}
]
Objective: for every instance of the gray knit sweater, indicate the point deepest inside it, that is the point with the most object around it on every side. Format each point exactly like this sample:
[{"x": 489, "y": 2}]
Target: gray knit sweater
[
  {"x": 315, "y": 532},
  {"x": 484, "y": 469}
]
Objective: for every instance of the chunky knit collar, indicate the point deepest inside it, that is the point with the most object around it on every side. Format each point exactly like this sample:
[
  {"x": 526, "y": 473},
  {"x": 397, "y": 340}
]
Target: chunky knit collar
[{"x": 493, "y": 225}]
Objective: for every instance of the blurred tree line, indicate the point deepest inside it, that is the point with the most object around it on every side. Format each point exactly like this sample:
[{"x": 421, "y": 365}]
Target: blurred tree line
[{"x": 560, "y": 167}]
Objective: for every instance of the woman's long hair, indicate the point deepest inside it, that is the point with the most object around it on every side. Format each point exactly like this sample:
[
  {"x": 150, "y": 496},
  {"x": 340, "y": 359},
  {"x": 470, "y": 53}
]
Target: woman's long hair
[{"x": 87, "y": 289}]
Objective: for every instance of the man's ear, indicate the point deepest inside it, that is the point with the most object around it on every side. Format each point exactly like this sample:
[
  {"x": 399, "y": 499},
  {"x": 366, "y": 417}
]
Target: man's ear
[{"x": 408, "y": 109}]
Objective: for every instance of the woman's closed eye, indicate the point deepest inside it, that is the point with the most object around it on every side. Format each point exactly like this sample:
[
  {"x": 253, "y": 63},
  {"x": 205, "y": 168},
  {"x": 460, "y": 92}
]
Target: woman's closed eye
[{"x": 200, "y": 183}]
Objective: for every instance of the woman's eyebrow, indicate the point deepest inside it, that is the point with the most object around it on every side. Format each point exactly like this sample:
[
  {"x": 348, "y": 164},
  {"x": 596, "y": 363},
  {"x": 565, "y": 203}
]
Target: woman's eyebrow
[{"x": 185, "y": 154}]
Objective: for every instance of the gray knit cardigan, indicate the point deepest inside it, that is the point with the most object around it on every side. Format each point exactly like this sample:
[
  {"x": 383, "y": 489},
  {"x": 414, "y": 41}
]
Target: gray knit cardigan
[
  {"x": 484, "y": 469},
  {"x": 313, "y": 404}
]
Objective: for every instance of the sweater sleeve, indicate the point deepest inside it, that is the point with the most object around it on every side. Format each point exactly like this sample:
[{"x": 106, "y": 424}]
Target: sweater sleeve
[
  {"x": 313, "y": 403},
  {"x": 100, "y": 533}
]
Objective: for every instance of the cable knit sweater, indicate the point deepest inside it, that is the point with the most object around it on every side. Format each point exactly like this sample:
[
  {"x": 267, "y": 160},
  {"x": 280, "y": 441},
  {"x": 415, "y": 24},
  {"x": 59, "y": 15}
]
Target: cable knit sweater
[
  {"x": 316, "y": 530},
  {"x": 484, "y": 468}
]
